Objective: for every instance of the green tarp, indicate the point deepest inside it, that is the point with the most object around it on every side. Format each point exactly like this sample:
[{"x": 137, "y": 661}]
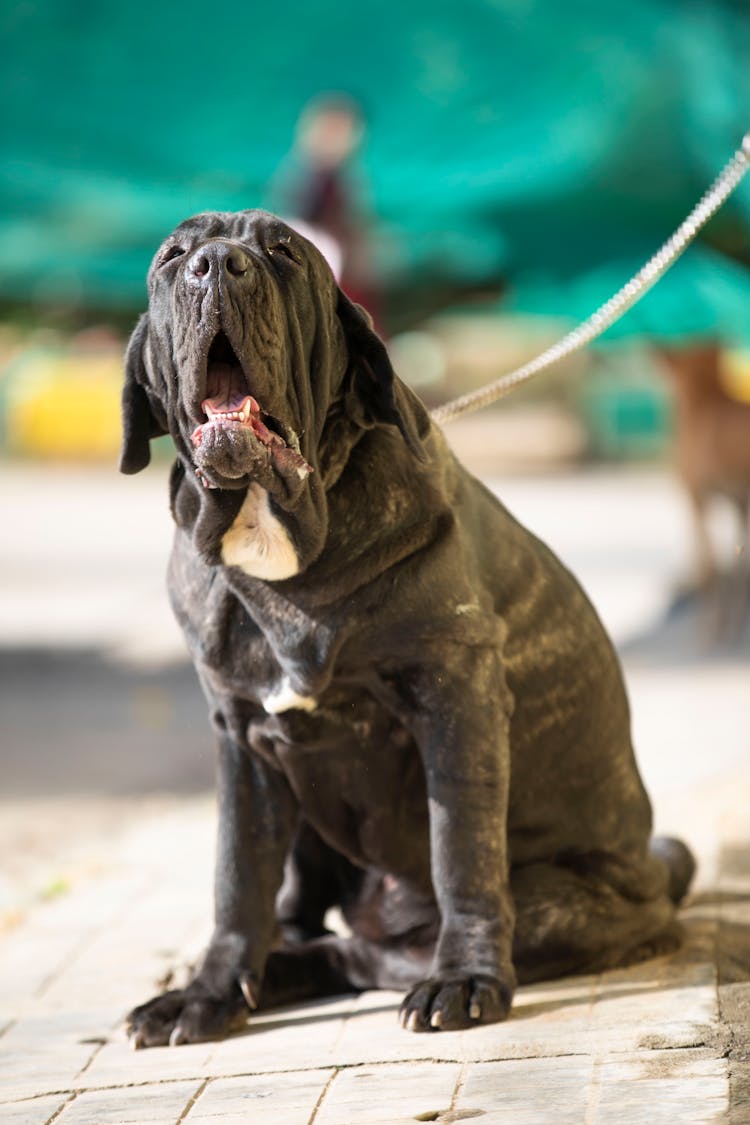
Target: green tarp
[{"x": 554, "y": 145}]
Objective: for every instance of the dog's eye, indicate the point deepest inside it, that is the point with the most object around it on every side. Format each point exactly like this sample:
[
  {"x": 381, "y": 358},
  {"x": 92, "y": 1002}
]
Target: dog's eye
[
  {"x": 169, "y": 253},
  {"x": 285, "y": 249}
]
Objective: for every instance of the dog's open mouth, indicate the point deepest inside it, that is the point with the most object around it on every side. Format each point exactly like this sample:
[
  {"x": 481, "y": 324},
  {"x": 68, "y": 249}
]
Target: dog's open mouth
[
  {"x": 227, "y": 403},
  {"x": 238, "y": 440}
]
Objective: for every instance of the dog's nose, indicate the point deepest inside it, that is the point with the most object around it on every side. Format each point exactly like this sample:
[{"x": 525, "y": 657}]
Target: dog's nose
[{"x": 219, "y": 259}]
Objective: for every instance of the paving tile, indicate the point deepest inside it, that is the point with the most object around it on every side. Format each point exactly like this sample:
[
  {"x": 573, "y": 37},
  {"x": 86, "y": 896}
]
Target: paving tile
[
  {"x": 391, "y": 1095},
  {"x": 82, "y": 943},
  {"x": 661, "y": 1088},
  {"x": 372, "y": 1034},
  {"x": 343, "y": 1032},
  {"x": 38, "y": 953},
  {"x": 35, "y": 1111},
  {"x": 656, "y": 1005},
  {"x": 549, "y": 1091},
  {"x": 543, "y": 1021},
  {"x": 158, "y": 1104},
  {"x": 122, "y": 965},
  {"x": 288, "y": 1039},
  {"x": 304, "y": 1037},
  {"x": 288, "y": 1099},
  {"x": 42, "y": 1067},
  {"x": 117, "y": 1064}
]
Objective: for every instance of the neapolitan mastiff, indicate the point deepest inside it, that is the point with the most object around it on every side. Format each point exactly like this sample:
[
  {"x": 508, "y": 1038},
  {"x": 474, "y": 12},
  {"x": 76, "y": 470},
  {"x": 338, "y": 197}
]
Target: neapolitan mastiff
[{"x": 419, "y": 716}]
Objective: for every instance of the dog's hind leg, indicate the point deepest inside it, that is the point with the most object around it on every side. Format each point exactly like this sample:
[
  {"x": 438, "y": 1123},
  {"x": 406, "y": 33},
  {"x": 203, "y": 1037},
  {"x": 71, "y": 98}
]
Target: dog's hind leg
[
  {"x": 737, "y": 592},
  {"x": 576, "y": 918},
  {"x": 394, "y": 928},
  {"x": 334, "y": 965},
  {"x": 316, "y": 877},
  {"x": 590, "y": 914}
]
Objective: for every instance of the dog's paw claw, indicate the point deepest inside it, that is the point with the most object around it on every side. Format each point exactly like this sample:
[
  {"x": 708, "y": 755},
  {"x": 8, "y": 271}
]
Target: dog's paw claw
[
  {"x": 454, "y": 1003},
  {"x": 250, "y": 988},
  {"x": 190, "y": 1015}
]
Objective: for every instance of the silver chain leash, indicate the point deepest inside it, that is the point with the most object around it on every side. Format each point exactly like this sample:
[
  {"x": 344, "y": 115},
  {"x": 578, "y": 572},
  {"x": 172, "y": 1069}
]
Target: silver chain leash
[{"x": 616, "y": 306}]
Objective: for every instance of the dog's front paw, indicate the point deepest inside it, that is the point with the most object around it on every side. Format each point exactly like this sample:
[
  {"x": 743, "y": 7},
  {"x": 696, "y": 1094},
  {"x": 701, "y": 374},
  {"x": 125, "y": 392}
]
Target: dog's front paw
[
  {"x": 186, "y": 1015},
  {"x": 451, "y": 1003}
]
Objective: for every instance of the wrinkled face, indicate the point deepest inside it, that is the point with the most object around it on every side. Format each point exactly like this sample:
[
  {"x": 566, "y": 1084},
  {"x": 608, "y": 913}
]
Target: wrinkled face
[
  {"x": 241, "y": 311},
  {"x": 261, "y": 369}
]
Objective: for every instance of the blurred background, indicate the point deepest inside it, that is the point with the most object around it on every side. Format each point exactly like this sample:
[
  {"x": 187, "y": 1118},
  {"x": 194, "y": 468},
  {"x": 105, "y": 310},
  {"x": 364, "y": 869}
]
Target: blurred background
[{"x": 481, "y": 176}]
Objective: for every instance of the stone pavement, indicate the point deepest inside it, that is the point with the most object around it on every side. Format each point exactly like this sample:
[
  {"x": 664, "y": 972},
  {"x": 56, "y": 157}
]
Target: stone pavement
[
  {"x": 126, "y": 897},
  {"x": 654, "y": 1043}
]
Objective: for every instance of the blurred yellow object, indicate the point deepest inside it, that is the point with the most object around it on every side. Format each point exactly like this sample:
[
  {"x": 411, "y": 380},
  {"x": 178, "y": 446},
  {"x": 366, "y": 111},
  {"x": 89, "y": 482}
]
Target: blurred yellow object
[
  {"x": 735, "y": 374},
  {"x": 65, "y": 406}
]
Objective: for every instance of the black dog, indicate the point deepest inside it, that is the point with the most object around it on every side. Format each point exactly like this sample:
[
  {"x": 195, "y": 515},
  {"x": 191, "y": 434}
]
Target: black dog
[{"x": 419, "y": 715}]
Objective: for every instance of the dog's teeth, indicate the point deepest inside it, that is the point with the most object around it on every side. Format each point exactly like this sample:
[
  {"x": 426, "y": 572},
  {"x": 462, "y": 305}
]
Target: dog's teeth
[{"x": 475, "y": 1010}]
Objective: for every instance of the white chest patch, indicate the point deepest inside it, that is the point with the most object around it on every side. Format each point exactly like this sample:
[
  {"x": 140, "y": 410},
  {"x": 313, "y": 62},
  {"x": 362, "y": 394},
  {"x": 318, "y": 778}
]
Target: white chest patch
[
  {"x": 257, "y": 542},
  {"x": 286, "y": 699}
]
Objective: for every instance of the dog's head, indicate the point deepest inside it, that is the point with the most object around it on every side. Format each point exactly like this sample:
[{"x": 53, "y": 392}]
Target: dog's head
[{"x": 247, "y": 353}]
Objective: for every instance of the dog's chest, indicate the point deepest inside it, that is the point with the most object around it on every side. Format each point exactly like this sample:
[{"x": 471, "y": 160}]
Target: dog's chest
[
  {"x": 272, "y": 671},
  {"x": 257, "y": 542},
  {"x": 248, "y": 641}
]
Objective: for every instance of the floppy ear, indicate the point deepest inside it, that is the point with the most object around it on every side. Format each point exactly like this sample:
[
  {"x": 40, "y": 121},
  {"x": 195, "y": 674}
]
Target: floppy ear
[
  {"x": 138, "y": 422},
  {"x": 374, "y": 379}
]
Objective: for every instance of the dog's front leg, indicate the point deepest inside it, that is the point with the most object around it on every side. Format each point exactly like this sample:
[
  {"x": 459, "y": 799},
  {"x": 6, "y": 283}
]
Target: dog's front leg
[
  {"x": 461, "y": 721},
  {"x": 257, "y": 816}
]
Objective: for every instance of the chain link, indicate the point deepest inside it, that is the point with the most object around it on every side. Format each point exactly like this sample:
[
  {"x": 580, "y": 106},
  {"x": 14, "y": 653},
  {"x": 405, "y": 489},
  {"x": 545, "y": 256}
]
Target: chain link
[{"x": 616, "y": 306}]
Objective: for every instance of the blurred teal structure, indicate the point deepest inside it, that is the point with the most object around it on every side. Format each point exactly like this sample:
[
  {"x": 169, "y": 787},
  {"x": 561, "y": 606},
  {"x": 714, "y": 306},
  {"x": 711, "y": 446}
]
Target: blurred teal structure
[{"x": 548, "y": 146}]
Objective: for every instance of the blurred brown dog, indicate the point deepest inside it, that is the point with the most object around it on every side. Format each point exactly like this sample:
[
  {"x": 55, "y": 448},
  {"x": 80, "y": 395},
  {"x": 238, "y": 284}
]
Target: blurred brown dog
[{"x": 712, "y": 452}]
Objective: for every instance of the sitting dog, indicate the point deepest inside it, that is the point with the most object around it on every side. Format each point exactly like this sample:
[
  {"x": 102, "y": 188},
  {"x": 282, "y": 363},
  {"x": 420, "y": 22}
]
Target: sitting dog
[{"x": 419, "y": 717}]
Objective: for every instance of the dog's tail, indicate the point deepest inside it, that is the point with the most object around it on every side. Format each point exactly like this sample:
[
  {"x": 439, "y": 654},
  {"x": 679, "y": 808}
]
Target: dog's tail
[{"x": 680, "y": 864}]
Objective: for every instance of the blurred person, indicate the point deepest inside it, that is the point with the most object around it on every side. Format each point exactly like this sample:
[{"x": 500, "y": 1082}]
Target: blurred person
[{"x": 318, "y": 193}]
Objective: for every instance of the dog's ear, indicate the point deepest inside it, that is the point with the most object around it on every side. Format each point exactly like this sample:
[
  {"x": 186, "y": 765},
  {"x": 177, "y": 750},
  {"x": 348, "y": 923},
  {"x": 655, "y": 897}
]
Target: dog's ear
[
  {"x": 138, "y": 422},
  {"x": 373, "y": 377}
]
